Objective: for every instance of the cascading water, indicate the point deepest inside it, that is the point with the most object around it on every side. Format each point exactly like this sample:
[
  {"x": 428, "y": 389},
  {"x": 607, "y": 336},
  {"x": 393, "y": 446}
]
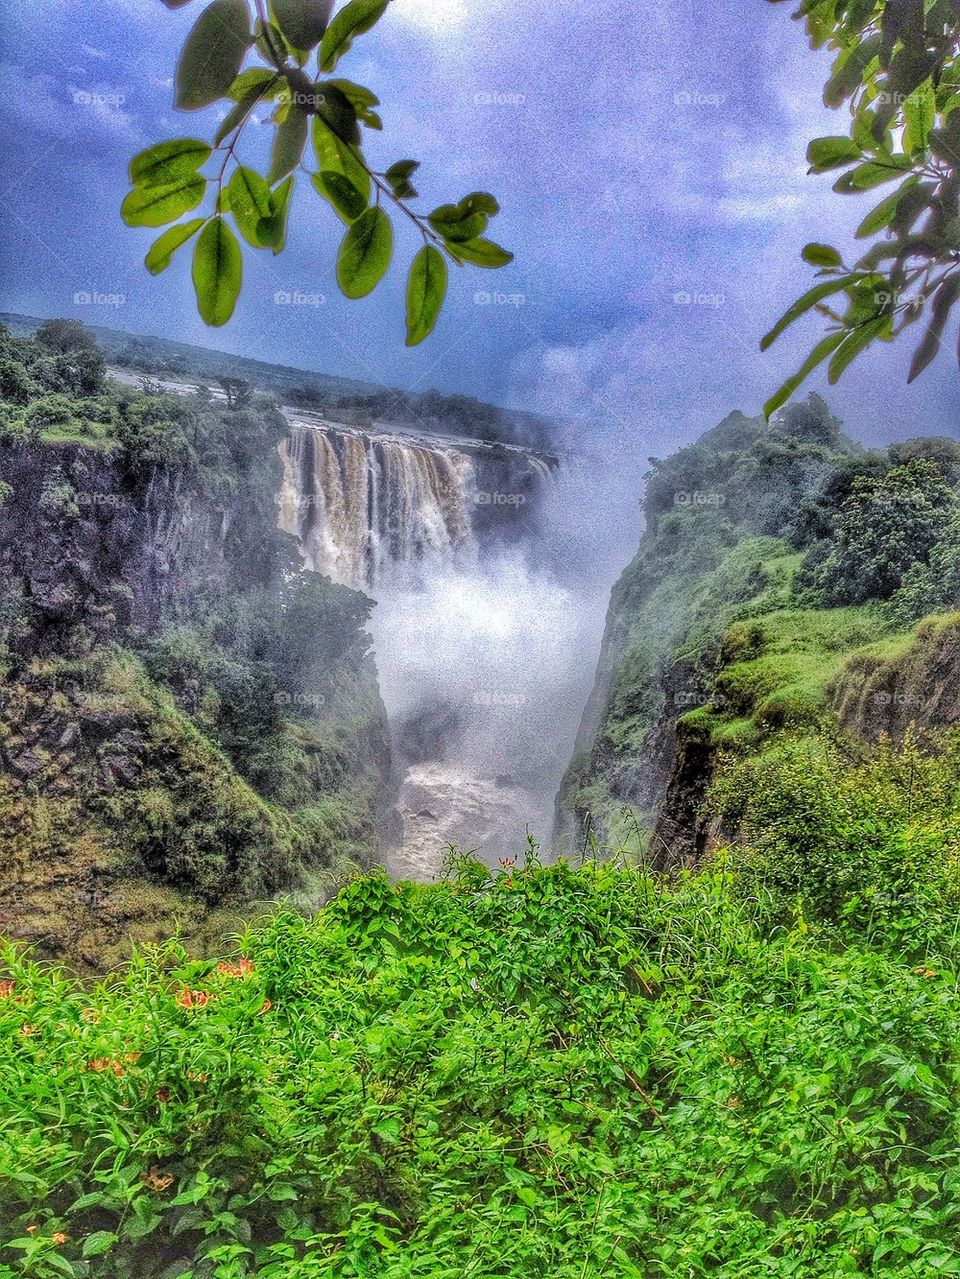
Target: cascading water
[{"x": 371, "y": 510}]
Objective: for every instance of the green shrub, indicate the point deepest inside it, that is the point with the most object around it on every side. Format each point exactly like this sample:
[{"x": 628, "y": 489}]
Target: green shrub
[{"x": 543, "y": 1074}]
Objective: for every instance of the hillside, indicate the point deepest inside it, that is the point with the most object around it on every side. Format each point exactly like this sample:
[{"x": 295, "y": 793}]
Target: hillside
[
  {"x": 186, "y": 723},
  {"x": 782, "y": 571}
]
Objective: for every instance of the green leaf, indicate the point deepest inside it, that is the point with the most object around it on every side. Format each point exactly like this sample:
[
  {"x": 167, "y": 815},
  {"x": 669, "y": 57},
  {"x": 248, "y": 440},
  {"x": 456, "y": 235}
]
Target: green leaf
[
  {"x": 353, "y": 20},
  {"x": 167, "y": 162},
  {"x": 919, "y": 110},
  {"x": 217, "y": 272},
  {"x": 161, "y": 251},
  {"x": 98, "y": 1243},
  {"x": 365, "y": 254},
  {"x": 336, "y": 156},
  {"x": 426, "y": 289},
  {"x": 402, "y": 169},
  {"x": 804, "y": 303},
  {"x": 831, "y": 153},
  {"x": 480, "y": 202},
  {"x": 288, "y": 144},
  {"x": 481, "y": 253},
  {"x": 816, "y": 356},
  {"x": 880, "y": 217},
  {"x": 341, "y": 193},
  {"x": 398, "y": 175},
  {"x": 274, "y": 228},
  {"x": 337, "y": 112},
  {"x": 871, "y": 174},
  {"x": 303, "y": 22},
  {"x": 251, "y": 205},
  {"x": 943, "y": 301},
  {"x": 155, "y": 206},
  {"x": 821, "y": 255},
  {"x": 261, "y": 78},
  {"x": 456, "y": 224},
  {"x": 213, "y": 54},
  {"x": 853, "y": 343}
]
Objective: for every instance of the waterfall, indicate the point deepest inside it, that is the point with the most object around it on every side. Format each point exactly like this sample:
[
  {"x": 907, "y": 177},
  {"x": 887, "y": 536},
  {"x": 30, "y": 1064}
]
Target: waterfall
[{"x": 370, "y": 508}]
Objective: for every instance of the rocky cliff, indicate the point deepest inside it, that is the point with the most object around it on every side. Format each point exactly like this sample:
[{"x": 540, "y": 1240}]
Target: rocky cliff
[{"x": 187, "y": 722}]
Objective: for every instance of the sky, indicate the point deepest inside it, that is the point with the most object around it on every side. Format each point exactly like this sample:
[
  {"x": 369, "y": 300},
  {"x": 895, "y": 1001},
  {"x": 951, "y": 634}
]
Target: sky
[{"x": 648, "y": 156}]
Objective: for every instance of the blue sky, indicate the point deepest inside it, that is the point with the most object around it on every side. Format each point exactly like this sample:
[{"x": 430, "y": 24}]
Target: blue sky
[{"x": 644, "y": 152}]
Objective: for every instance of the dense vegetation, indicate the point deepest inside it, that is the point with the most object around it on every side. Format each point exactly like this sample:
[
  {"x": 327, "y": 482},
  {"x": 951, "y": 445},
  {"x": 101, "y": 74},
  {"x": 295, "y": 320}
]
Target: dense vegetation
[
  {"x": 774, "y": 557},
  {"x": 560, "y": 1072},
  {"x": 186, "y": 720}
]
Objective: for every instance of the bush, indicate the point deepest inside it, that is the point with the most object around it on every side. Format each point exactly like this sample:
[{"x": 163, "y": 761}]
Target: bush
[
  {"x": 885, "y": 528},
  {"x": 544, "y": 1074}
]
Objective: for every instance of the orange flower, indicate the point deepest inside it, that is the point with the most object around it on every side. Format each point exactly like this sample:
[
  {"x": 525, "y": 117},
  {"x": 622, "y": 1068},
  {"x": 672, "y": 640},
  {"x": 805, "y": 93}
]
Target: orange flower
[
  {"x": 7, "y": 988},
  {"x": 90, "y": 1015},
  {"x": 264, "y": 1007},
  {"x": 242, "y": 969},
  {"x": 59, "y": 1238},
  {"x": 200, "y": 1078},
  {"x": 32, "y": 1230},
  {"x": 28, "y": 1029},
  {"x": 105, "y": 1063},
  {"x": 193, "y": 998}
]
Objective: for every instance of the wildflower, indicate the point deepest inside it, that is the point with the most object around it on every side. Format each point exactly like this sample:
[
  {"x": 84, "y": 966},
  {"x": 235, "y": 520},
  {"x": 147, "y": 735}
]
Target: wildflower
[
  {"x": 60, "y": 1238},
  {"x": 264, "y": 1007},
  {"x": 28, "y": 1029},
  {"x": 7, "y": 988},
  {"x": 157, "y": 1180},
  {"x": 925, "y": 972},
  {"x": 105, "y": 1063},
  {"x": 241, "y": 969},
  {"x": 197, "y": 1077},
  {"x": 508, "y": 862},
  {"x": 733, "y": 1103},
  {"x": 90, "y": 1015},
  {"x": 193, "y": 998},
  {"x": 163, "y": 1095},
  {"x": 32, "y": 1230}
]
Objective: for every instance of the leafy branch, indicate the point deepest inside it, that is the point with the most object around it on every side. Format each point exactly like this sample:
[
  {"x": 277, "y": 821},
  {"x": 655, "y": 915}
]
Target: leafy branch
[
  {"x": 897, "y": 65},
  {"x": 281, "y": 38}
]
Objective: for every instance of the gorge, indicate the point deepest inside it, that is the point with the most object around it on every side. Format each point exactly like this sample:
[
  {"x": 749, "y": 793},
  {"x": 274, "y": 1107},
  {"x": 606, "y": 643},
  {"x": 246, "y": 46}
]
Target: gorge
[{"x": 477, "y": 628}]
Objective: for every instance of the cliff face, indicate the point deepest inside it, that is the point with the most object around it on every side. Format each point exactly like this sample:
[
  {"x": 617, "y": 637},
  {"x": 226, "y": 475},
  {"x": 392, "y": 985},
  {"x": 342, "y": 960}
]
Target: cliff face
[
  {"x": 186, "y": 724},
  {"x": 718, "y": 644},
  {"x": 916, "y": 686}
]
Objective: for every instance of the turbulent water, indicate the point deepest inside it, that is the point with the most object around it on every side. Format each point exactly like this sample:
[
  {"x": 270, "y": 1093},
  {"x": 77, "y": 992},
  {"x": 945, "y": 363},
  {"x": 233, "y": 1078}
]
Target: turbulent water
[{"x": 484, "y": 651}]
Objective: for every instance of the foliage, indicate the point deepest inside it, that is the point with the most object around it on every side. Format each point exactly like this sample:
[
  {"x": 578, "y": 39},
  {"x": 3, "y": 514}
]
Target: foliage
[
  {"x": 547, "y": 1072},
  {"x": 885, "y": 528},
  {"x": 168, "y": 182},
  {"x": 897, "y": 66}
]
